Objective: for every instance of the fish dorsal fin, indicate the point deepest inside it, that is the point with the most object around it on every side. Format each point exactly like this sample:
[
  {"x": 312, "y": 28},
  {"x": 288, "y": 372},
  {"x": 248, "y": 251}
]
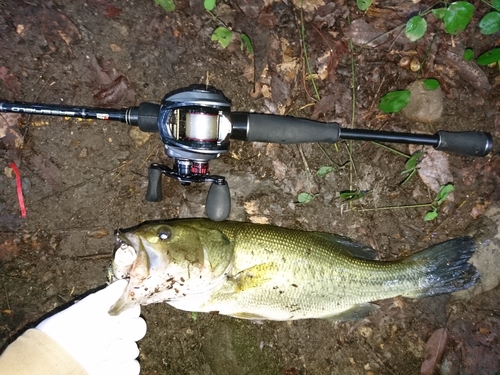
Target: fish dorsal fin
[{"x": 356, "y": 249}]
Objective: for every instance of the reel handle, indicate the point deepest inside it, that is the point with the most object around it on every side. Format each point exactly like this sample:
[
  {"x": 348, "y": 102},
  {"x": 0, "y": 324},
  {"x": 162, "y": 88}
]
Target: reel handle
[
  {"x": 153, "y": 193},
  {"x": 218, "y": 204}
]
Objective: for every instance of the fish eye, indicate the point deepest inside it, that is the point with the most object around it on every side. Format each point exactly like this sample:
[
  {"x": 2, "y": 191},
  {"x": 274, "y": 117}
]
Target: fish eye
[{"x": 164, "y": 234}]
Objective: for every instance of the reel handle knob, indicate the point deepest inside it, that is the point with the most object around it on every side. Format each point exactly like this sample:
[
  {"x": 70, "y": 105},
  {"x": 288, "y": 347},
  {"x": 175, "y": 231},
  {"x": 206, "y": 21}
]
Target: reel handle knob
[
  {"x": 218, "y": 204},
  {"x": 154, "y": 194}
]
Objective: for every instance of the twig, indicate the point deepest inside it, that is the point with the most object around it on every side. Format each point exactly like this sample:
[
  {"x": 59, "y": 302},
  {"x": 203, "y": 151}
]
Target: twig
[
  {"x": 307, "y": 170},
  {"x": 6, "y": 297},
  {"x": 306, "y": 57}
]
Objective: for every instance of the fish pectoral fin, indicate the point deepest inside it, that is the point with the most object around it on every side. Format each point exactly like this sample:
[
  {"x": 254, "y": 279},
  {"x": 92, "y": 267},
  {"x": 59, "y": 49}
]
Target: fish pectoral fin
[
  {"x": 356, "y": 312},
  {"x": 250, "y": 316},
  {"x": 254, "y": 276}
]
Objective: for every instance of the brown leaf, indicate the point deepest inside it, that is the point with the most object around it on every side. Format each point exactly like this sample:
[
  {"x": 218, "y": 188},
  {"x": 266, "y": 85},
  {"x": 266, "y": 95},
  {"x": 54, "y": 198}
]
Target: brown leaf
[
  {"x": 114, "y": 88},
  {"x": 47, "y": 170},
  {"x": 11, "y": 82},
  {"x": 468, "y": 71},
  {"x": 434, "y": 349},
  {"x": 10, "y": 136},
  {"x": 326, "y": 104},
  {"x": 8, "y": 250},
  {"x": 364, "y": 34},
  {"x": 115, "y": 93},
  {"x": 479, "y": 208},
  {"x": 56, "y": 25},
  {"x": 434, "y": 169},
  {"x": 102, "y": 77}
]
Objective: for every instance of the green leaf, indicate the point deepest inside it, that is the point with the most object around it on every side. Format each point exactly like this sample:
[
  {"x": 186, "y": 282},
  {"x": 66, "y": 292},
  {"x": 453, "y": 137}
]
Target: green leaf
[
  {"x": 305, "y": 198},
  {"x": 209, "y": 4},
  {"x": 468, "y": 54},
  {"x": 439, "y": 13},
  {"x": 431, "y": 215},
  {"x": 324, "y": 170},
  {"x": 247, "y": 43},
  {"x": 168, "y": 5},
  {"x": 490, "y": 23},
  {"x": 351, "y": 195},
  {"x": 430, "y": 84},
  {"x": 457, "y": 17},
  {"x": 489, "y": 57},
  {"x": 413, "y": 161},
  {"x": 194, "y": 316},
  {"x": 443, "y": 193},
  {"x": 415, "y": 28},
  {"x": 222, "y": 35},
  {"x": 496, "y": 4},
  {"x": 364, "y": 4},
  {"x": 394, "y": 101},
  {"x": 409, "y": 177}
]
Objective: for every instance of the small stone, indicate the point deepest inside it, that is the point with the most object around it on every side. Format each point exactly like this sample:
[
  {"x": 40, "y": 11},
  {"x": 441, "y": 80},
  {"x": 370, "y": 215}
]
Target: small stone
[
  {"x": 425, "y": 105},
  {"x": 139, "y": 137},
  {"x": 98, "y": 233},
  {"x": 84, "y": 153},
  {"x": 115, "y": 47},
  {"x": 365, "y": 331},
  {"x": 26, "y": 185},
  {"x": 50, "y": 291}
]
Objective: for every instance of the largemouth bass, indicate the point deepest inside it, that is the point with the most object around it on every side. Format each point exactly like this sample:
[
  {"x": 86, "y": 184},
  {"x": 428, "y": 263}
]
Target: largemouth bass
[{"x": 254, "y": 271}]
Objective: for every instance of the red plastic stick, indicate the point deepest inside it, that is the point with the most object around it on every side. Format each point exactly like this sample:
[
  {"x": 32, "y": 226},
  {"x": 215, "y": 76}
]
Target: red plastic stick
[{"x": 19, "y": 188}]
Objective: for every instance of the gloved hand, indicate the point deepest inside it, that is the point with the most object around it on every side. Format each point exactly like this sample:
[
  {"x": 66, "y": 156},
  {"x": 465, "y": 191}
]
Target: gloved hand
[{"x": 101, "y": 343}]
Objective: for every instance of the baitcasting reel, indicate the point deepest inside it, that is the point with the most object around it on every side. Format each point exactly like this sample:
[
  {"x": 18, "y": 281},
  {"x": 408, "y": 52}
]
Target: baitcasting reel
[{"x": 196, "y": 123}]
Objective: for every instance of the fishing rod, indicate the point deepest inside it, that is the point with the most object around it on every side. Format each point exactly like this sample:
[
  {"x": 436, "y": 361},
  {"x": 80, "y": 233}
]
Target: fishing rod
[{"x": 196, "y": 124}]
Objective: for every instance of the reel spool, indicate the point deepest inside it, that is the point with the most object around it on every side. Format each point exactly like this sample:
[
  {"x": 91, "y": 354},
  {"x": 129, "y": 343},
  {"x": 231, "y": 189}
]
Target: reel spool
[{"x": 195, "y": 127}]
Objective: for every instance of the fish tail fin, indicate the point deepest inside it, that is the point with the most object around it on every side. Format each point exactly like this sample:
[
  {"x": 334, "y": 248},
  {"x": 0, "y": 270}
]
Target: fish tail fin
[{"x": 446, "y": 267}]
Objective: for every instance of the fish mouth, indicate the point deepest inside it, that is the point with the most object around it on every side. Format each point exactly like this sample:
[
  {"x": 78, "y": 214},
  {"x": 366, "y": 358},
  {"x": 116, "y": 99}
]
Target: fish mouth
[
  {"x": 124, "y": 257},
  {"x": 131, "y": 261}
]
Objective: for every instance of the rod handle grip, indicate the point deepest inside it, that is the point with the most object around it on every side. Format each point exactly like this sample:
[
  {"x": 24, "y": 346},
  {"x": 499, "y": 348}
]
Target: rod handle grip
[
  {"x": 256, "y": 127},
  {"x": 466, "y": 143}
]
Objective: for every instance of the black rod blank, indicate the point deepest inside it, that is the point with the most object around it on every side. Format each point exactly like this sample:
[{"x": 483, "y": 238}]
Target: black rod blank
[{"x": 64, "y": 110}]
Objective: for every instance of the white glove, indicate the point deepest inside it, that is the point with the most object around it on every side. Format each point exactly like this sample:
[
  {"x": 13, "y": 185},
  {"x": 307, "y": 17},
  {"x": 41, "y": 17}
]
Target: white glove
[{"x": 101, "y": 343}]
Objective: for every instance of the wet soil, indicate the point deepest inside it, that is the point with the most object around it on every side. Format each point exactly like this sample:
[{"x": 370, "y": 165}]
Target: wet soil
[{"x": 85, "y": 178}]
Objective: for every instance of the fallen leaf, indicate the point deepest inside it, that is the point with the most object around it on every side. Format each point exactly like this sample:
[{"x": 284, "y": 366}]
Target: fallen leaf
[
  {"x": 479, "y": 208},
  {"x": 434, "y": 168},
  {"x": 326, "y": 104},
  {"x": 308, "y": 6},
  {"x": 364, "y": 34},
  {"x": 56, "y": 25},
  {"x": 8, "y": 250},
  {"x": 325, "y": 16},
  {"x": 10, "y": 136},
  {"x": 468, "y": 71},
  {"x": 112, "y": 11},
  {"x": 115, "y": 93},
  {"x": 114, "y": 88},
  {"x": 101, "y": 76},
  {"x": 47, "y": 170},
  {"x": 11, "y": 82},
  {"x": 434, "y": 349}
]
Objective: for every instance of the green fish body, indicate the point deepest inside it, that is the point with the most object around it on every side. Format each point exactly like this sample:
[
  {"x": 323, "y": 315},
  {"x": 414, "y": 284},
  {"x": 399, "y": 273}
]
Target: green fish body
[{"x": 262, "y": 272}]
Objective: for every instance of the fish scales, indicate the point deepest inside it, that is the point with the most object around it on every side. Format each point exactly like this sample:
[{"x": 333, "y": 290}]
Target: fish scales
[
  {"x": 257, "y": 271},
  {"x": 315, "y": 277}
]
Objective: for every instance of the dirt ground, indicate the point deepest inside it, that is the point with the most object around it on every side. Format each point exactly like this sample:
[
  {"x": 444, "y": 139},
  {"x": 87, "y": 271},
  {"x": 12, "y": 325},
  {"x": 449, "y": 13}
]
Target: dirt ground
[{"x": 83, "y": 179}]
